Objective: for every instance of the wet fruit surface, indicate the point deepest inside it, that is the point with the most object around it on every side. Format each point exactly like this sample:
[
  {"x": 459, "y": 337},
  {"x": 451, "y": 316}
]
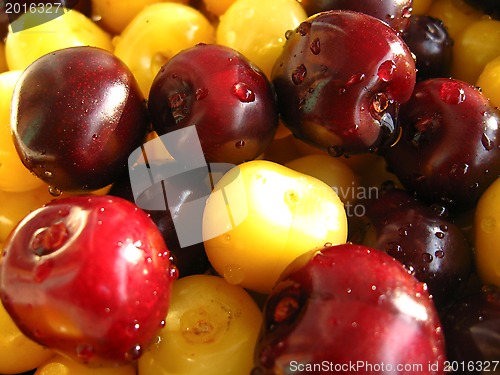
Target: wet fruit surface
[
  {"x": 339, "y": 98},
  {"x": 449, "y": 149},
  {"x": 229, "y": 101},
  {"x": 89, "y": 277},
  {"x": 320, "y": 310},
  {"x": 93, "y": 117},
  {"x": 431, "y": 247}
]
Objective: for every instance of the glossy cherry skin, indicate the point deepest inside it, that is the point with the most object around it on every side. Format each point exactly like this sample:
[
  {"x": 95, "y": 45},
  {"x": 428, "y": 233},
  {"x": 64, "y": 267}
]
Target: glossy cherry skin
[
  {"x": 340, "y": 80},
  {"x": 430, "y": 246},
  {"x": 396, "y": 13},
  {"x": 77, "y": 114},
  {"x": 89, "y": 277},
  {"x": 348, "y": 303},
  {"x": 471, "y": 327},
  {"x": 449, "y": 151},
  {"x": 432, "y": 46},
  {"x": 227, "y": 98}
]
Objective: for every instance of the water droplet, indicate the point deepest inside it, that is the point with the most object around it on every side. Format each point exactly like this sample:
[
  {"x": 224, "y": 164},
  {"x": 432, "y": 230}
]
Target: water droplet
[
  {"x": 349, "y": 290},
  {"x": 48, "y": 174},
  {"x": 393, "y": 248},
  {"x": 452, "y": 92},
  {"x": 85, "y": 352},
  {"x": 355, "y": 78},
  {"x": 315, "y": 46},
  {"x": 328, "y": 244},
  {"x": 458, "y": 170},
  {"x": 243, "y": 92},
  {"x": 386, "y": 70},
  {"x": 304, "y": 28},
  {"x": 54, "y": 191},
  {"x": 288, "y": 34},
  {"x": 134, "y": 353},
  {"x": 335, "y": 151},
  {"x": 402, "y": 232},
  {"x": 439, "y": 235},
  {"x": 444, "y": 227},
  {"x": 487, "y": 142},
  {"x": 439, "y": 254},
  {"x": 240, "y": 144},
  {"x": 94, "y": 137},
  {"x": 374, "y": 287},
  {"x": 173, "y": 272},
  {"x": 407, "y": 11},
  {"x": 299, "y": 74},
  {"x": 162, "y": 324},
  {"x": 234, "y": 274},
  {"x": 201, "y": 94},
  {"x": 426, "y": 257}
]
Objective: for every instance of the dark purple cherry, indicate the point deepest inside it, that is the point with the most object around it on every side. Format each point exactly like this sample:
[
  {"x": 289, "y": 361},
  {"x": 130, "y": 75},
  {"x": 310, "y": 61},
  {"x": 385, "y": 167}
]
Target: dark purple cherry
[
  {"x": 471, "y": 327},
  {"x": 449, "y": 149},
  {"x": 348, "y": 304},
  {"x": 429, "y": 41},
  {"x": 227, "y": 98},
  {"x": 396, "y": 13},
  {"x": 340, "y": 80},
  {"x": 429, "y": 245},
  {"x": 77, "y": 114}
]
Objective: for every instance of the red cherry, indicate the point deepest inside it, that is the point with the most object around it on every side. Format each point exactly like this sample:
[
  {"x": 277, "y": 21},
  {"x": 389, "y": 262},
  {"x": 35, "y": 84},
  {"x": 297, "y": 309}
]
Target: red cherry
[{"x": 89, "y": 277}]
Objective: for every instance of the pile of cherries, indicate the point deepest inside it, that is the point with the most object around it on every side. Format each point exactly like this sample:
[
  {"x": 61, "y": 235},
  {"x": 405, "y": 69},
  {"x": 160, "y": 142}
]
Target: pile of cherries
[{"x": 96, "y": 278}]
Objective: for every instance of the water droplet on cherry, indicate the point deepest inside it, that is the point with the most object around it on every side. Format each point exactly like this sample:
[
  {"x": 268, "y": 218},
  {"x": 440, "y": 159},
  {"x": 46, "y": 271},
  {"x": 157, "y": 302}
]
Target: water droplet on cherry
[
  {"x": 240, "y": 144},
  {"x": 386, "y": 70},
  {"x": 243, "y": 92},
  {"x": 452, "y": 93},
  {"x": 426, "y": 257},
  {"x": 299, "y": 74},
  {"x": 315, "y": 46}
]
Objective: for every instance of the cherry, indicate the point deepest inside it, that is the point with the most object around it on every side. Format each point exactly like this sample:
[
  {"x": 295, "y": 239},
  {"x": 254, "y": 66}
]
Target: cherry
[
  {"x": 449, "y": 151},
  {"x": 432, "y": 46},
  {"x": 340, "y": 80},
  {"x": 396, "y": 13},
  {"x": 89, "y": 277},
  {"x": 227, "y": 98},
  {"x": 430, "y": 246},
  {"x": 348, "y": 304},
  {"x": 77, "y": 114}
]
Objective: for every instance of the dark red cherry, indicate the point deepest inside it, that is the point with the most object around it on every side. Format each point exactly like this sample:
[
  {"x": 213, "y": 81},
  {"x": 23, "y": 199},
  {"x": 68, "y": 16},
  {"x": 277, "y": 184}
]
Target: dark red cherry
[
  {"x": 449, "y": 151},
  {"x": 429, "y": 41},
  {"x": 89, "y": 277},
  {"x": 340, "y": 80},
  {"x": 348, "y": 304},
  {"x": 430, "y": 246},
  {"x": 219, "y": 91},
  {"x": 396, "y": 13},
  {"x": 77, "y": 114}
]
